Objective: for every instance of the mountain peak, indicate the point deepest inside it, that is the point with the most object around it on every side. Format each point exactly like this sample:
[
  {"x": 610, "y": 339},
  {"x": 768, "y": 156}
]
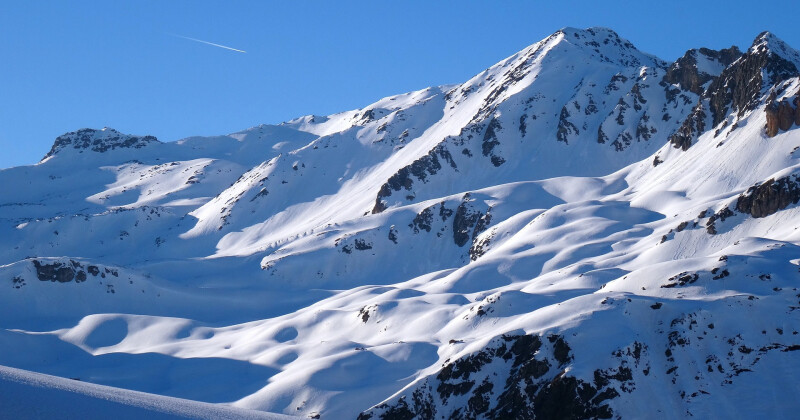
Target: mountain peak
[
  {"x": 97, "y": 141},
  {"x": 767, "y": 41},
  {"x": 608, "y": 46},
  {"x": 699, "y": 66}
]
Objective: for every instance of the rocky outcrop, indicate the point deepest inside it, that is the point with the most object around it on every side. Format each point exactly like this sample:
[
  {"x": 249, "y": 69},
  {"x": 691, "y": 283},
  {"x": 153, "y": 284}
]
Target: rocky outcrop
[
  {"x": 98, "y": 141},
  {"x": 771, "y": 112},
  {"x": 797, "y": 108},
  {"x": 690, "y": 130},
  {"x": 685, "y": 72},
  {"x": 770, "y": 197},
  {"x": 537, "y": 385},
  {"x": 739, "y": 86},
  {"x": 469, "y": 220},
  {"x": 55, "y": 272},
  {"x": 780, "y": 117},
  {"x": 785, "y": 115},
  {"x": 737, "y": 89},
  {"x": 565, "y": 127},
  {"x": 420, "y": 169},
  {"x": 490, "y": 142},
  {"x": 65, "y": 271}
]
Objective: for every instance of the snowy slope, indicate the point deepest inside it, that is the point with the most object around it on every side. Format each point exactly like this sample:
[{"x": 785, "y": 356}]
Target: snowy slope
[
  {"x": 35, "y": 396},
  {"x": 580, "y": 230}
]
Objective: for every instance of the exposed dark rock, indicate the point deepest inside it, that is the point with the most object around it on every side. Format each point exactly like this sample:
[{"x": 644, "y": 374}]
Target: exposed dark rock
[
  {"x": 601, "y": 135},
  {"x": 420, "y": 169},
  {"x": 561, "y": 350},
  {"x": 739, "y": 86},
  {"x": 480, "y": 401},
  {"x": 797, "y": 108},
  {"x": 737, "y": 89},
  {"x": 365, "y": 312},
  {"x": 591, "y": 108},
  {"x": 565, "y": 127},
  {"x": 690, "y": 129},
  {"x": 643, "y": 130},
  {"x": 532, "y": 388},
  {"x": 721, "y": 215},
  {"x": 17, "y": 282},
  {"x": 768, "y": 198},
  {"x": 444, "y": 212},
  {"x": 465, "y": 219},
  {"x": 62, "y": 273},
  {"x": 622, "y": 141},
  {"x": 362, "y": 245},
  {"x": 262, "y": 193},
  {"x": 684, "y": 71},
  {"x": 785, "y": 115},
  {"x": 780, "y": 116},
  {"x": 98, "y": 141},
  {"x": 565, "y": 397},
  {"x": 422, "y": 221},
  {"x": 681, "y": 279},
  {"x": 479, "y": 247},
  {"x": 490, "y": 142},
  {"x": 366, "y": 117}
]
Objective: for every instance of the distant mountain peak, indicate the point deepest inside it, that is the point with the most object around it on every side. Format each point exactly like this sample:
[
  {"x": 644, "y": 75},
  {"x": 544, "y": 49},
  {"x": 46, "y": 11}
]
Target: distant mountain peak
[
  {"x": 607, "y": 45},
  {"x": 698, "y": 66},
  {"x": 781, "y": 60},
  {"x": 98, "y": 141},
  {"x": 775, "y": 44}
]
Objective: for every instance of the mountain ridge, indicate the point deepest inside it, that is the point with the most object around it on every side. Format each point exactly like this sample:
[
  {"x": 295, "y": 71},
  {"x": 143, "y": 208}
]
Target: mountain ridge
[{"x": 580, "y": 230}]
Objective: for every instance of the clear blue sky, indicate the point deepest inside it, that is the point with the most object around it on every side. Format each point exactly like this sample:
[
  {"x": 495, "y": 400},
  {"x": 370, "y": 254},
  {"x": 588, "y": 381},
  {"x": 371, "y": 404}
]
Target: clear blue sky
[{"x": 66, "y": 65}]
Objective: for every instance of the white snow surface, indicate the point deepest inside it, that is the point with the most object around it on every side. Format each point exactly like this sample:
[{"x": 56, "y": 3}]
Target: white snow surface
[
  {"x": 29, "y": 395},
  {"x": 335, "y": 264}
]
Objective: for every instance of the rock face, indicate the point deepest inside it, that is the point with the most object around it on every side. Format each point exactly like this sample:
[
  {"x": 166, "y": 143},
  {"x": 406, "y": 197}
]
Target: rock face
[
  {"x": 420, "y": 169},
  {"x": 780, "y": 117},
  {"x": 785, "y": 115},
  {"x": 692, "y": 71},
  {"x": 690, "y": 130},
  {"x": 65, "y": 271},
  {"x": 770, "y": 197},
  {"x": 773, "y": 125},
  {"x": 796, "y": 103},
  {"x": 56, "y": 272},
  {"x": 739, "y": 85},
  {"x": 537, "y": 385},
  {"x": 737, "y": 88}
]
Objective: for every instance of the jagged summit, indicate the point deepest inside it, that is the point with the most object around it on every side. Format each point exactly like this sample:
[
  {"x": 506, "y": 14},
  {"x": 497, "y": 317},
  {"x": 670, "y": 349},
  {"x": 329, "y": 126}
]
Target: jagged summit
[
  {"x": 89, "y": 139},
  {"x": 698, "y": 66},
  {"x": 767, "y": 41}
]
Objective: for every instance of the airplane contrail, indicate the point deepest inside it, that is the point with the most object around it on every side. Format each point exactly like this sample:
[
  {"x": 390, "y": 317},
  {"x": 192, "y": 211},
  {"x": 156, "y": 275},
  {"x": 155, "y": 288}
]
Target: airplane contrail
[{"x": 209, "y": 43}]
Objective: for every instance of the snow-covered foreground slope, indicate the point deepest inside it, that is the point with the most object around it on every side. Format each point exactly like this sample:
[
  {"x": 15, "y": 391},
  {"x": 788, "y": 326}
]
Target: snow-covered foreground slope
[
  {"x": 28, "y": 395},
  {"x": 581, "y": 230}
]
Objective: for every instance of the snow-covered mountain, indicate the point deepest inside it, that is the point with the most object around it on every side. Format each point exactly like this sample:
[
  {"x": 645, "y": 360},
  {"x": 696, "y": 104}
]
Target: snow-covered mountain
[{"x": 581, "y": 230}]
